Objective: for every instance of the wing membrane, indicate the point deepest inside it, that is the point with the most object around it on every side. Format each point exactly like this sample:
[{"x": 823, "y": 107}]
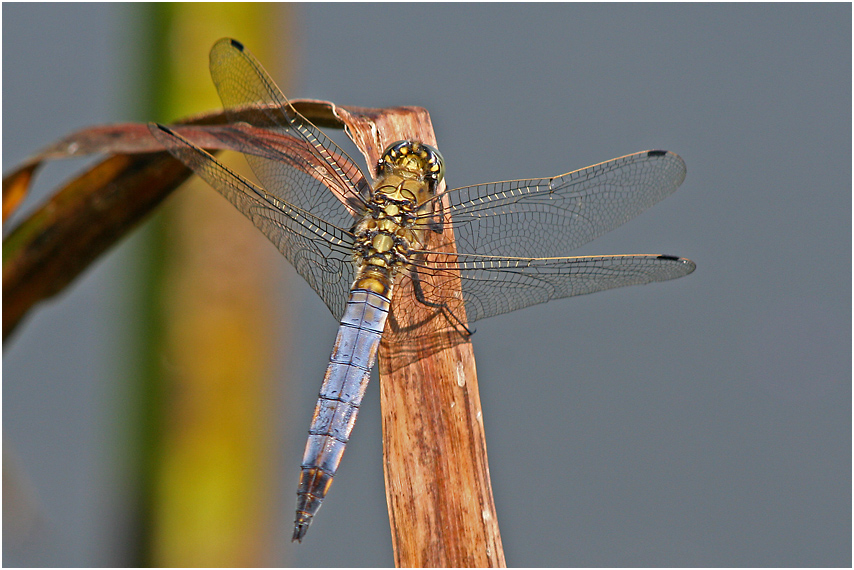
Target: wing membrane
[
  {"x": 495, "y": 285},
  {"x": 549, "y": 217},
  {"x": 320, "y": 251},
  {"x": 243, "y": 84}
]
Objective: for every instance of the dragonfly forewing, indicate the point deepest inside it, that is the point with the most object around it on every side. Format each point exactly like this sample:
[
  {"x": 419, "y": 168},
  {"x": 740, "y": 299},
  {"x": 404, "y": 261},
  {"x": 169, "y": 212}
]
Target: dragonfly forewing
[
  {"x": 244, "y": 85},
  {"x": 548, "y": 217}
]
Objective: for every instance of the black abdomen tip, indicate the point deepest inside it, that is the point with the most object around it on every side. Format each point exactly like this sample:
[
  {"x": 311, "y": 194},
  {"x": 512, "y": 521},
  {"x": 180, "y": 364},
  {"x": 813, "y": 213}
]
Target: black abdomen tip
[
  {"x": 300, "y": 528},
  {"x": 237, "y": 44}
]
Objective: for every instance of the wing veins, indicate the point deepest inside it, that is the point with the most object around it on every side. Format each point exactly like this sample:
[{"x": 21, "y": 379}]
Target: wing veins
[{"x": 281, "y": 112}]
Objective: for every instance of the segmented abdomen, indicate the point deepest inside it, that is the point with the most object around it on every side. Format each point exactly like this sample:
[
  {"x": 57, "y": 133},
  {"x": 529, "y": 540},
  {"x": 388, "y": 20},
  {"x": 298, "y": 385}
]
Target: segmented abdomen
[{"x": 343, "y": 387}]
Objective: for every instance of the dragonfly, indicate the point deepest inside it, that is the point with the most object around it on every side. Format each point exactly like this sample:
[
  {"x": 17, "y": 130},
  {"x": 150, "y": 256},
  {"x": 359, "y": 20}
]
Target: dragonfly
[{"x": 356, "y": 243}]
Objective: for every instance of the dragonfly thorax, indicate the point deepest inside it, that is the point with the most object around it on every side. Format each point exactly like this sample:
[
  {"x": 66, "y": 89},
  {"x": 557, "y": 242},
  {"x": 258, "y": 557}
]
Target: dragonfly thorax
[{"x": 385, "y": 232}]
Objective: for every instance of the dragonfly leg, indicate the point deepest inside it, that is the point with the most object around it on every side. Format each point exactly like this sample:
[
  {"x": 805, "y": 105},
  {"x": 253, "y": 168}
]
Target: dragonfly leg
[{"x": 446, "y": 310}]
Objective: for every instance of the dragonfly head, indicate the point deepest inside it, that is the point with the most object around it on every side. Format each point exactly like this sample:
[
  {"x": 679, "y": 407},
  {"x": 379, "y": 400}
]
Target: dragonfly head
[{"x": 413, "y": 159}]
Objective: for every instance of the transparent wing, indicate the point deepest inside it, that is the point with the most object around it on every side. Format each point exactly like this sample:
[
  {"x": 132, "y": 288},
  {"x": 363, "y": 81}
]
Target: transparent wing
[
  {"x": 495, "y": 285},
  {"x": 323, "y": 181},
  {"x": 549, "y": 217},
  {"x": 321, "y": 252}
]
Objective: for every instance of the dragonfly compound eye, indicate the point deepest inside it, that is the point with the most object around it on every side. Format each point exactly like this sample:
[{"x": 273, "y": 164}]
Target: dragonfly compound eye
[{"x": 414, "y": 157}]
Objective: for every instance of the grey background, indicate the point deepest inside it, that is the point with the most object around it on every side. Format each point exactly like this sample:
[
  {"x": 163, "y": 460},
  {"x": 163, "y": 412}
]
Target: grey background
[{"x": 701, "y": 422}]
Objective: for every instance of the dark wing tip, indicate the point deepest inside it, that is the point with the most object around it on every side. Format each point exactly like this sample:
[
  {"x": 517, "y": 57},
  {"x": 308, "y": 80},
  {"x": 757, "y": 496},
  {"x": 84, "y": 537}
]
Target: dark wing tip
[
  {"x": 673, "y": 159},
  {"x": 163, "y": 128},
  {"x": 236, "y": 44},
  {"x": 690, "y": 265}
]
